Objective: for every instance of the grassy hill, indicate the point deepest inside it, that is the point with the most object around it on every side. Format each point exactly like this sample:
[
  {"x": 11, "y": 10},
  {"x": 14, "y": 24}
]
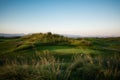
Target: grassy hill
[{"x": 47, "y": 56}]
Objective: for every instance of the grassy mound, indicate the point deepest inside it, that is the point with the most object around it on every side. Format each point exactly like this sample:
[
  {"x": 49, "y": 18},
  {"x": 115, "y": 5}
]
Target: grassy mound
[{"x": 47, "y": 56}]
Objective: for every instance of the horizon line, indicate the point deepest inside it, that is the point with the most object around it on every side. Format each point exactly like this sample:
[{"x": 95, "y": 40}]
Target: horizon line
[{"x": 67, "y": 35}]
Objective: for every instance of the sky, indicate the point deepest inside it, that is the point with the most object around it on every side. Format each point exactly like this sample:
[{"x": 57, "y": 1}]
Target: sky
[{"x": 76, "y": 17}]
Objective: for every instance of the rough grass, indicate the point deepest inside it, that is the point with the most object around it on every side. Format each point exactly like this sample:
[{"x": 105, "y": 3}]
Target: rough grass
[
  {"x": 81, "y": 67},
  {"x": 54, "y": 57}
]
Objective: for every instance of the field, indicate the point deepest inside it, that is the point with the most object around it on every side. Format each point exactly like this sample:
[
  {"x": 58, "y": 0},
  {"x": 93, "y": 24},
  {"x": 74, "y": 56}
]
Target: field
[{"x": 54, "y": 57}]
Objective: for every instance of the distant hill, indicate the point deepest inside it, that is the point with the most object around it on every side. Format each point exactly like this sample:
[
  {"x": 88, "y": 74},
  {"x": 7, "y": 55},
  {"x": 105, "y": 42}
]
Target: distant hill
[
  {"x": 11, "y": 35},
  {"x": 72, "y": 36}
]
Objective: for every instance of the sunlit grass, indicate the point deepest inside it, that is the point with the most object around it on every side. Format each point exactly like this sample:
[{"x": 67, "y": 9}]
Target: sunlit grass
[{"x": 54, "y": 57}]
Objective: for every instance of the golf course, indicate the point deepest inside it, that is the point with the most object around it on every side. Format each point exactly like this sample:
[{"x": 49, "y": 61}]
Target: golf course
[{"x": 47, "y": 56}]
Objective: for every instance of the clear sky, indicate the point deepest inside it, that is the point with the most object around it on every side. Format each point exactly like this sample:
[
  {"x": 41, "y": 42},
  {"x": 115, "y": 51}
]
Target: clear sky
[{"x": 78, "y": 17}]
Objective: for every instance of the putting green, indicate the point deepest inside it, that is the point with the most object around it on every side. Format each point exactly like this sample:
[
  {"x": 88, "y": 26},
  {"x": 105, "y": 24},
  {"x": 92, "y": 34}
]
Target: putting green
[{"x": 65, "y": 49}]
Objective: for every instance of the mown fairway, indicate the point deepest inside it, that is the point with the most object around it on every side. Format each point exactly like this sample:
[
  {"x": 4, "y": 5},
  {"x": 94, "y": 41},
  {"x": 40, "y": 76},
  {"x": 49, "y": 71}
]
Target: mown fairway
[{"x": 54, "y": 57}]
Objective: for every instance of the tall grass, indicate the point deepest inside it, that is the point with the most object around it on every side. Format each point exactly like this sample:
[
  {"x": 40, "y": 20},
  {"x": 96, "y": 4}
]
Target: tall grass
[
  {"x": 85, "y": 67},
  {"x": 46, "y": 67}
]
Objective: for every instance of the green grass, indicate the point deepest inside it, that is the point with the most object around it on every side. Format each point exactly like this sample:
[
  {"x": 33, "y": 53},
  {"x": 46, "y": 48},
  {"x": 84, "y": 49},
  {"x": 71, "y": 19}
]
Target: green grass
[
  {"x": 81, "y": 67},
  {"x": 54, "y": 57}
]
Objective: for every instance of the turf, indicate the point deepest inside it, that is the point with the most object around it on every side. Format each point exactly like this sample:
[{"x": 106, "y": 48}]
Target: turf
[{"x": 54, "y": 57}]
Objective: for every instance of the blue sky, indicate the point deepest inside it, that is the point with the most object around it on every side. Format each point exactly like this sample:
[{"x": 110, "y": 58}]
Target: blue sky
[{"x": 78, "y": 17}]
